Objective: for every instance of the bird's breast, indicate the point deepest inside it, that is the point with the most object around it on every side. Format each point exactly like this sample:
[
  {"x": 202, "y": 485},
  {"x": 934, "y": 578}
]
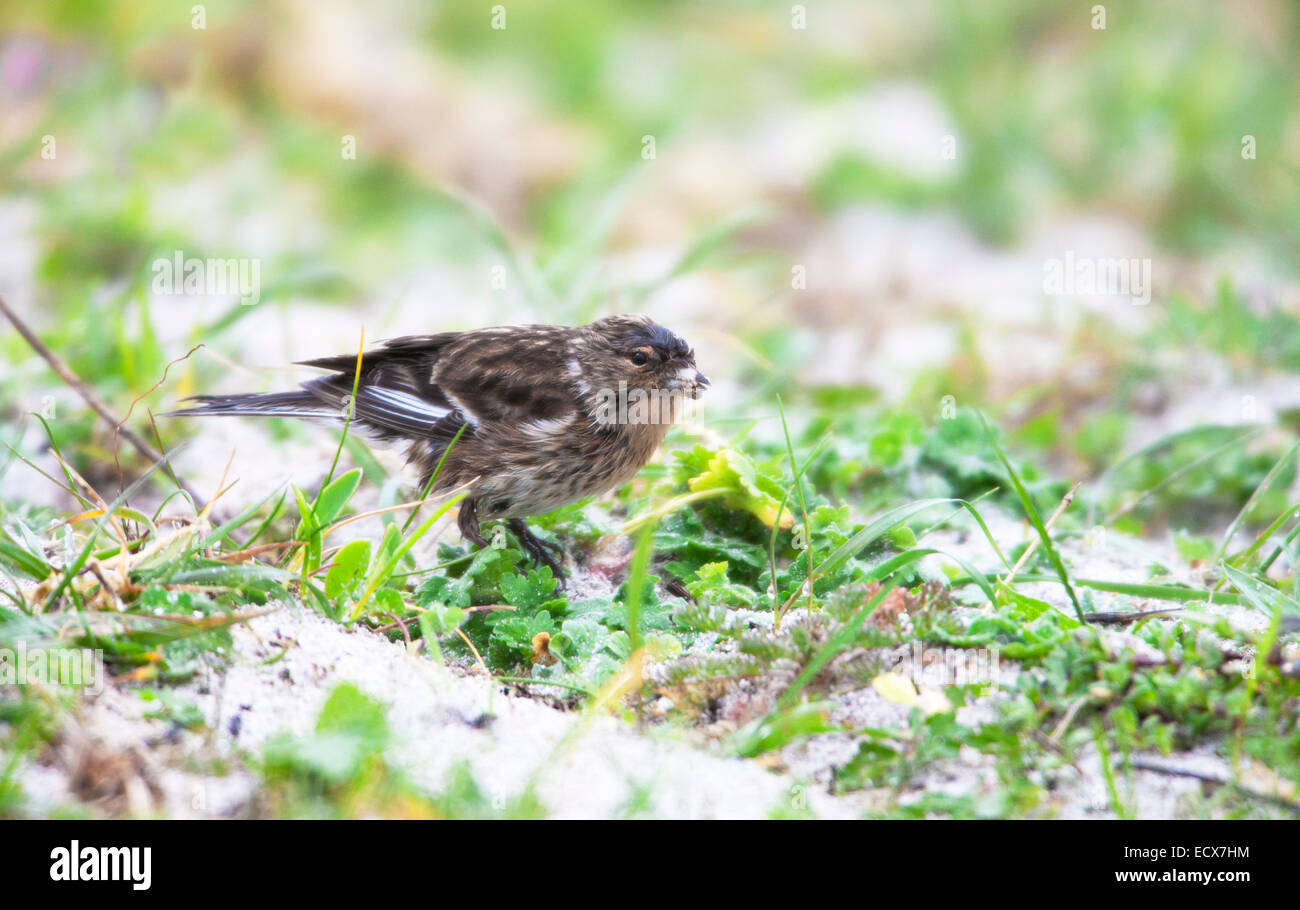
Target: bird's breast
[{"x": 541, "y": 467}]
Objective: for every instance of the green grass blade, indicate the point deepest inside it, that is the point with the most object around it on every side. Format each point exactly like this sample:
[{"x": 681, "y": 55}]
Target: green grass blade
[
  {"x": 1031, "y": 512},
  {"x": 838, "y": 642},
  {"x": 1245, "y": 509},
  {"x": 1176, "y": 593},
  {"x": 636, "y": 575},
  {"x": 803, "y": 503}
]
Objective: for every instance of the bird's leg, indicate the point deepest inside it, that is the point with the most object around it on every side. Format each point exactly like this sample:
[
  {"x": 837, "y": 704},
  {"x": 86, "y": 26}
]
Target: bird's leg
[
  {"x": 467, "y": 521},
  {"x": 543, "y": 552}
]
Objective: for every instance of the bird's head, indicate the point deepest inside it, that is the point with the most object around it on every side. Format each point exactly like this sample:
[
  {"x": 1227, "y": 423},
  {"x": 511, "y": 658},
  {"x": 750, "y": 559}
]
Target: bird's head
[
  {"x": 631, "y": 360},
  {"x": 645, "y": 355}
]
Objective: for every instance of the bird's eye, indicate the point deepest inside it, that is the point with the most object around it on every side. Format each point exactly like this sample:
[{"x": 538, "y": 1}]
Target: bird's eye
[{"x": 639, "y": 358}]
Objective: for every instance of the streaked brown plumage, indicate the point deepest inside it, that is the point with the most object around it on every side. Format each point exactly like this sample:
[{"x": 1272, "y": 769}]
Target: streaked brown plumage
[{"x": 549, "y": 413}]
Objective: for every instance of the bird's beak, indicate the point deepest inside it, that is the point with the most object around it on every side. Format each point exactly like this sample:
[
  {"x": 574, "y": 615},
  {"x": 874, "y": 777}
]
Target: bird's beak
[
  {"x": 694, "y": 381},
  {"x": 689, "y": 380}
]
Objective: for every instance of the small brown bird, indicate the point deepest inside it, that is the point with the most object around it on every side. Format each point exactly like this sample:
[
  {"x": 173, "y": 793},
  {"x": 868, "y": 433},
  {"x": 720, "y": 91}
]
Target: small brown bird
[{"x": 548, "y": 415}]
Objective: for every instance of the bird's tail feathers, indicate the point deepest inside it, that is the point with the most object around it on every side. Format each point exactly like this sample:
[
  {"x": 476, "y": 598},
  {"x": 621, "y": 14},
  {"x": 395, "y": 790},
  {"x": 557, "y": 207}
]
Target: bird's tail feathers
[{"x": 302, "y": 405}]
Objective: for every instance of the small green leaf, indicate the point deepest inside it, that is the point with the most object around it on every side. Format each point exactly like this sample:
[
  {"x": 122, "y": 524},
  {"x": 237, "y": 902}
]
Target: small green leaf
[
  {"x": 734, "y": 475},
  {"x": 25, "y": 561},
  {"x": 334, "y": 497},
  {"x": 775, "y": 731},
  {"x": 388, "y": 600},
  {"x": 350, "y": 564},
  {"x": 712, "y": 585},
  {"x": 440, "y": 620}
]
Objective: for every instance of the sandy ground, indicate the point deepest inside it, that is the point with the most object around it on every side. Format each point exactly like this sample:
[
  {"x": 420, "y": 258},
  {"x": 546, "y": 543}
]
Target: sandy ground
[{"x": 579, "y": 765}]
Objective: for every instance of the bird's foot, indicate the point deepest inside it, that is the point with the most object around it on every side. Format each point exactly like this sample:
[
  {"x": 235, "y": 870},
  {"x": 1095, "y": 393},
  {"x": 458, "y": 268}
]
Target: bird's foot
[
  {"x": 543, "y": 552},
  {"x": 467, "y": 521}
]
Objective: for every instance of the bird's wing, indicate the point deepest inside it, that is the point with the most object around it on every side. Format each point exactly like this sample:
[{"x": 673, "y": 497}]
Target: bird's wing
[
  {"x": 387, "y": 413},
  {"x": 427, "y": 386},
  {"x": 396, "y": 397},
  {"x": 402, "y": 364},
  {"x": 509, "y": 376}
]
